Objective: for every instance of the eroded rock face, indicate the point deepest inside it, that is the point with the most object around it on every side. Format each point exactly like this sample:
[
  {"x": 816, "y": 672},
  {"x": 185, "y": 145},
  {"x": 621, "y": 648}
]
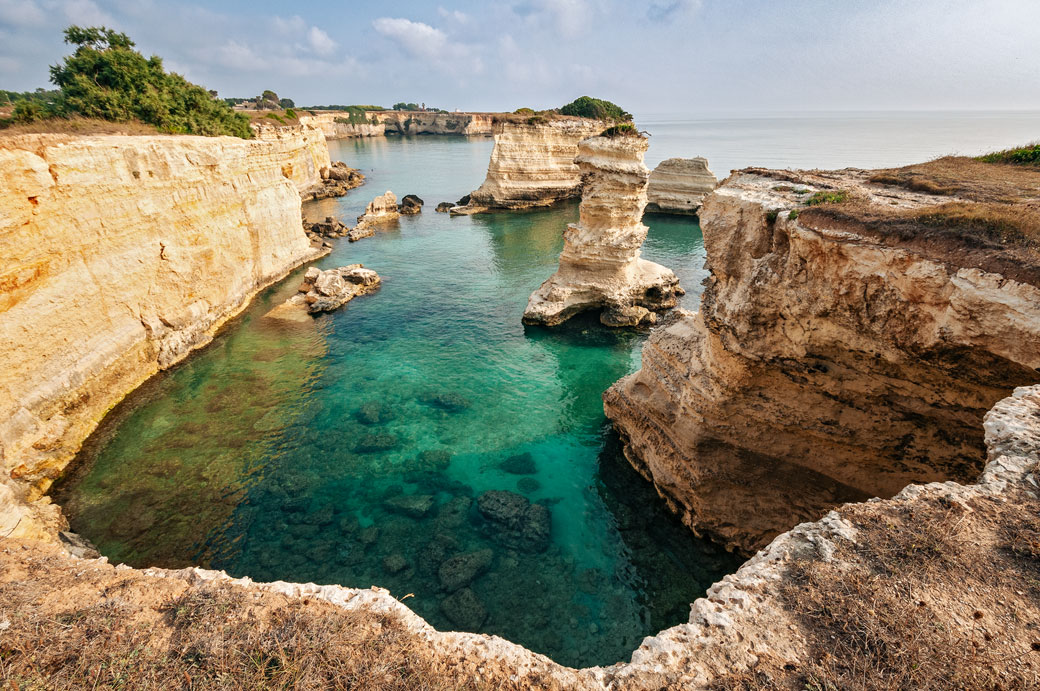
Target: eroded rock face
[
  {"x": 600, "y": 267},
  {"x": 380, "y": 211},
  {"x": 378, "y": 123},
  {"x": 824, "y": 366},
  {"x": 679, "y": 185},
  {"x": 411, "y": 204},
  {"x": 118, "y": 256},
  {"x": 532, "y": 165}
]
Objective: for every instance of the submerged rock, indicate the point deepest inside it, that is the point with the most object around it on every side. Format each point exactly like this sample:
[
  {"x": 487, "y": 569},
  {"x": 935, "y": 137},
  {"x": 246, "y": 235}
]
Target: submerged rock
[
  {"x": 413, "y": 505},
  {"x": 600, "y": 267},
  {"x": 370, "y": 443},
  {"x": 375, "y": 413},
  {"x": 528, "y": 485},
  {"x": 451, "y": 402},
  {"x": 434, "y": 459},
  {"x": 410, "y": 205},
  {"x": 444, "y": 207},
  {"x": 460, "y": 570},
  {"x": 519, "y": 464},
  {"x": 514, "y": 521},
  {"x": 394, "y": 563},
  {"x": 464, "y": 609}
]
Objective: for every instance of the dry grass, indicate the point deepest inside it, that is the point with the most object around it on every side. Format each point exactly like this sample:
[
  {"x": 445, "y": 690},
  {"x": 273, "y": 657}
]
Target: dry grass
[
  {"x": 79, "y": 126},
  {"x": 70, "y": 625},
  {"x": 968, "y": 178},
  {"x": 934, "y": 597}
]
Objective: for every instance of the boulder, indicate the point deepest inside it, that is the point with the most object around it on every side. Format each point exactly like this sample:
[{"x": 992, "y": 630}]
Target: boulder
[
  {"x": 514, "y": 521},
  {"x": 394, "y": 563},
  {"x": 519, "y": 464},
  {"x": 444, "y": 207},
  {"x": 461, "y": 569},
  {"x": 464, "y": 609},
  {"x": 412, "y": 505},
  {"x": 411, "y": 204},
  {"x": 331, "y": 227}
]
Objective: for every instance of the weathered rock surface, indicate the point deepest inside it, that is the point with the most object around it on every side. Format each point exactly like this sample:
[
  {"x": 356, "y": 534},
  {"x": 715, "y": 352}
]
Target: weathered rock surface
[
  {"x": 827, "y": 363},
  {"x": 460, "y": 570},
  {"x": 514, "y": 521},
  {"x": 378, "y": 123},
  {"x": 532, "y": 164},
  {"x": 410, "y": 205},
  {"x": 336, "y": 181},
  {"x": 118, "y": 256},
  {"x": 600, "y": 267},
  {"x": 464, "y": 609},
  {"x": 331, "y": 227},
  {"x": 679, "y": 185},
  {"x": 325, "y": 291},
  {"x": 445, "y": 207},
  {"x": 380, "y": 211}
]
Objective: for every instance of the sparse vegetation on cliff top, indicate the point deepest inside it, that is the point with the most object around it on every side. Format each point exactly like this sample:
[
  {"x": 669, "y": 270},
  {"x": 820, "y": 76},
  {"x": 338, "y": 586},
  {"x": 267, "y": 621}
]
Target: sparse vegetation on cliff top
[
  {"x": 106, "y": 79},
  {"x": 624, "y": 129},
  {"x": 1028, "y": 155}
]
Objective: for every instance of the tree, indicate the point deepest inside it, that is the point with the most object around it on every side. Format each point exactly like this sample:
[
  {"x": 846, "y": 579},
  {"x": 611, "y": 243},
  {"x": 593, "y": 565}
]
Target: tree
[
  {"x": 588, "y": 107},
  {"x": 106, "y": 78},
  {"x": 285, "y": 103}
]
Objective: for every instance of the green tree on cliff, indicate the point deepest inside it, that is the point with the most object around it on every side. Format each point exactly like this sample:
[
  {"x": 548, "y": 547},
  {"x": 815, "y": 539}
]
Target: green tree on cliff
[
  {"x": 588, "y": 107},
  {"x": 106, "y": 78}
]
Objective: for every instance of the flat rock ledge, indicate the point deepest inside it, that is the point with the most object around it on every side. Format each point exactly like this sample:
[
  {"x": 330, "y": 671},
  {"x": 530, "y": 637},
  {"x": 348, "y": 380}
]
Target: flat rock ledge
[
  {"x": 600, "y": 268},
  {"x": 679, "y": 185},
  {"x": 336, "y": 181},
  {"x": 325, "y": 291}
]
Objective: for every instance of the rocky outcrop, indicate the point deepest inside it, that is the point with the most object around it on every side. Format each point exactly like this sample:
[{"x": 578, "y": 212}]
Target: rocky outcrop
[
  {"x": 380, "y": 211},
  {"x": 325, "y": 291},
  {"x": 336, "y": 181},
  {"x": 410, "y": 205},
  {"x": 842, "y": 351},
  {"x": 600, "y": 267},
  {"x": 678, "y": 186},
  {"x": 118, "y": 256},
  {"x": 378, "y": 123},
  {"x": 331, "y": 227},
  {"x": 532, "y": 164}
]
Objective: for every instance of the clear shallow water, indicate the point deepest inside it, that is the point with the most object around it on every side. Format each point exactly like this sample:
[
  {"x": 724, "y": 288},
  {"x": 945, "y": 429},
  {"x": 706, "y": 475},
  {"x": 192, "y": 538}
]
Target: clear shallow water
[{"x": 283, "y": 451}]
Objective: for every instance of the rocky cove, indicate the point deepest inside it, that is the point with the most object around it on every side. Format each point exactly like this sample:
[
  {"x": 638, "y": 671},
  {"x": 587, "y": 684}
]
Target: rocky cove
[{"x": 763, "y": 339}]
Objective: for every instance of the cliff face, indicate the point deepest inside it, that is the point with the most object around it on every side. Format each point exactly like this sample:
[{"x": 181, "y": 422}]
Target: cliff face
[
  {"x": 532, "y": 164},
  {"x": 305, "y": 153},
  {"x": 828, "y": 362},
  {"x": 600, "y": 266},
  {"x": 118, "y": 256},
  {"x": 679, "y": 185},
  {"x": 380, "y": 123}
]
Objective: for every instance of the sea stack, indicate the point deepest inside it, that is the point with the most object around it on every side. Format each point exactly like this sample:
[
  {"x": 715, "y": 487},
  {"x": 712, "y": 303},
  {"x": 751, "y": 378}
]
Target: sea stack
[
  {"x": 600, "y": 267},
  {"x": 678, "y": 186}
]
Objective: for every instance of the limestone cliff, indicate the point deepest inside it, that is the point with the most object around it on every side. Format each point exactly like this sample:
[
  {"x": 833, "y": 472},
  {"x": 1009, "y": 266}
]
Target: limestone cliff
[
  {"x": 532, "y": 164},
  {"x": 378, "y": 123},
  {"x": 678, "y": 186},
  {"x": 118, "y": 256},
  {"x": 843, "y": 350},
  {"x": 600, "y": 267}
]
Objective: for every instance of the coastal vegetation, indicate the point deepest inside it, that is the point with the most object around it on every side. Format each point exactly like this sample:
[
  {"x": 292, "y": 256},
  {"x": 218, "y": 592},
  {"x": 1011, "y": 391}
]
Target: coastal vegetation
[
  {"x": 107, "y": 79},
  {"x": 588, "y": 107},
  {"x": 1022, "y": 155}
]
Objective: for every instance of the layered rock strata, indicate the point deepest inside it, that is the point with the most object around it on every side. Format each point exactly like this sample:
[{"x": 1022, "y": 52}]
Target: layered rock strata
[
  {"x": 325, "y": 291},
  {"x": 118, "y": 256},
  {"x": 837, "y": 355},
  {"x": 380, "y": 211},
  {"x": 532, "y": 164},
  {"x": 378, "y": 123},
  {"x": 306, "y": 161},
  {"x": 600, "y": 267},
  {"x": 679, "y": 185}
]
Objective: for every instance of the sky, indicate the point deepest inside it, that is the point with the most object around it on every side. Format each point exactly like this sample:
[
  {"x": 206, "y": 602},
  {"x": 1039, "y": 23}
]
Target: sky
[{"x": 654, "y": 56}]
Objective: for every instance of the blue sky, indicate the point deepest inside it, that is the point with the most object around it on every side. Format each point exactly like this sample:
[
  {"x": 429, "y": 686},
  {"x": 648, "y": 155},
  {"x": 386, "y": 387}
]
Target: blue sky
[{"x": 657, "y": 56}]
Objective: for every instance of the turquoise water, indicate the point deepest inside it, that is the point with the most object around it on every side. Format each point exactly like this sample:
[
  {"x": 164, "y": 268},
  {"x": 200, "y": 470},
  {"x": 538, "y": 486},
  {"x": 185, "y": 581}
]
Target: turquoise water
[{"x": 354, "y": 449}]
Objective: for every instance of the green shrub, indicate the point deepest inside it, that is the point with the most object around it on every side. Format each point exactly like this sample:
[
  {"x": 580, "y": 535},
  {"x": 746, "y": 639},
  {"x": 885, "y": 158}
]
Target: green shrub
[
  {"x": 1028, "y": 155},
  {"x": 827, "y": 198},
  {"x": 276, "y": 117},
  {"x": 588, "y": 107},
  {"x": 624, "y": 129},
  {"x": 290, "y": 113},
  {"x": 792, "y": 215},
  {"x": 106, "y": 78},
  {"x": 524, "y": 111},
  {"x": 536, "y": 120}
]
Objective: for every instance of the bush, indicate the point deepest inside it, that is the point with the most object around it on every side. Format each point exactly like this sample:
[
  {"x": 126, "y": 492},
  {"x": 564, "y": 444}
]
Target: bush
[
  {"x": 588, "y": 107},
  {"x": 624, "y": 129},
  {"x": 1028, "y": 155},
  {"x": 105, "y": 78},
  {"x": 524, "y": 111},
  {"x": 827, "y": 198}
]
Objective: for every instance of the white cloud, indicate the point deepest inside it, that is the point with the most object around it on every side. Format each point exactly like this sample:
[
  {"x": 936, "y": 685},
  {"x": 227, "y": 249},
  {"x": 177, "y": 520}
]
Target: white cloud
[
  {"x": 320, "y": 41},
  {"x": 21, "y": 13},
  {"x": 292, "y": 25},
  {"x": 460, "y": 17},
  {"x": 568, "y": 17},
  {"x": 418, "y": 40},
  {"x": 86, "y": 13},
  {"x": 239, "y": 56}
]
